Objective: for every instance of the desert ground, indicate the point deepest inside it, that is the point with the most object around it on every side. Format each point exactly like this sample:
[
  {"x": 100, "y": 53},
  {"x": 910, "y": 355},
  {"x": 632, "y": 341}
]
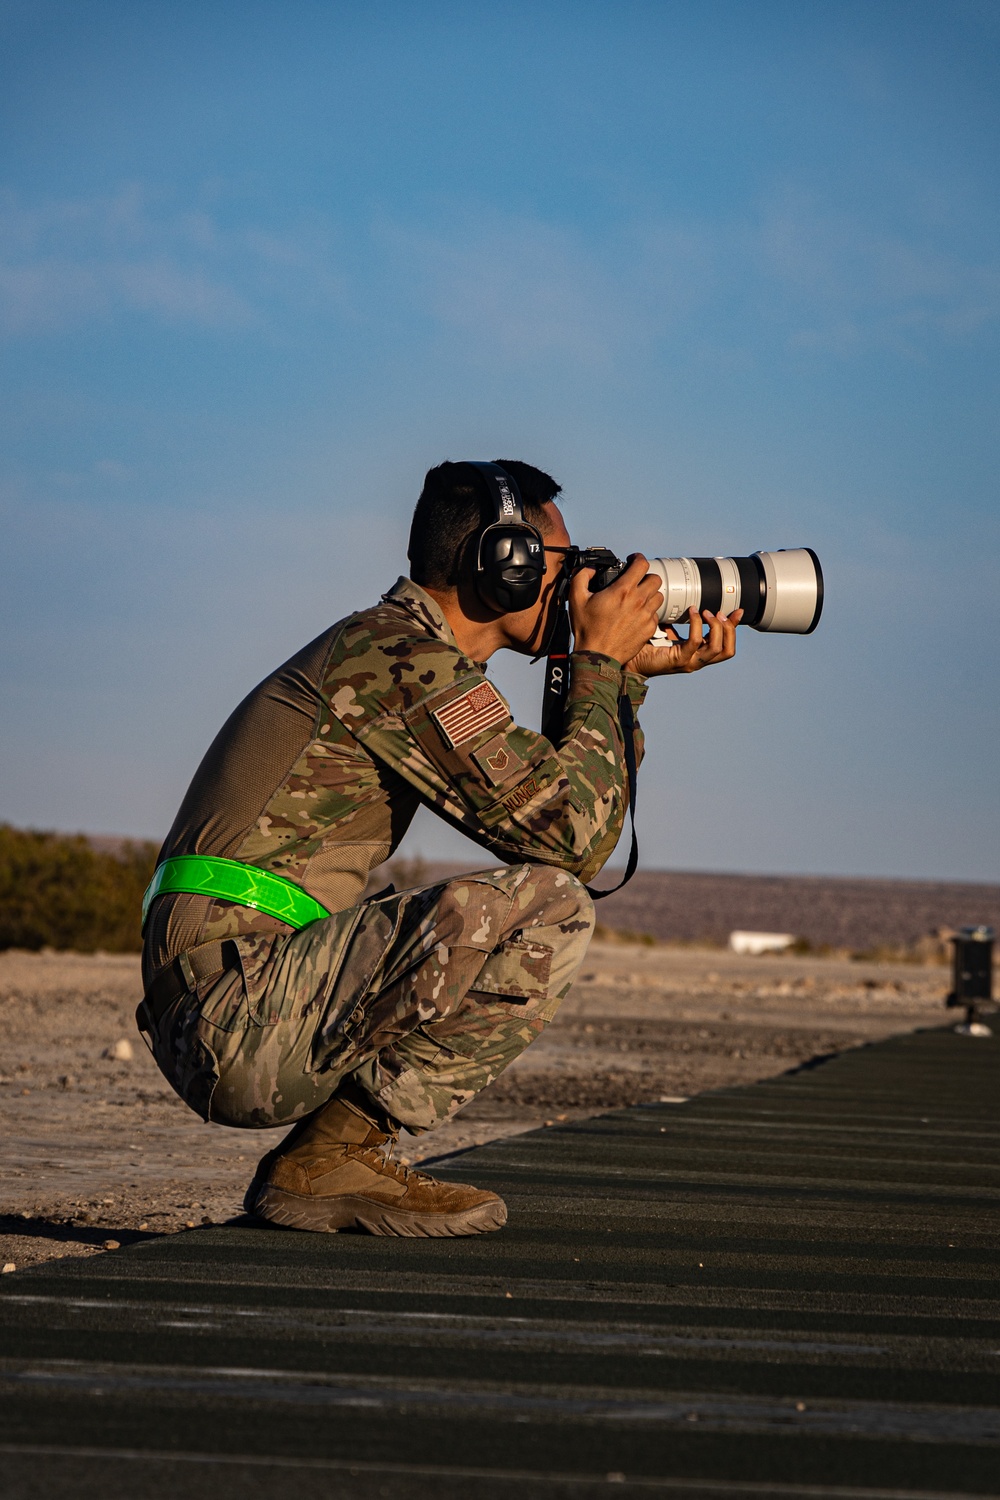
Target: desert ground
[{"x": 98, "y": 1151}]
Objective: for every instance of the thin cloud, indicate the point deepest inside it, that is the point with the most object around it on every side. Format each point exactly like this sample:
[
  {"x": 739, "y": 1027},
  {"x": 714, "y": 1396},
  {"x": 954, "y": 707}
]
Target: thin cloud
[
  {"x": 66, "y": 263},
  {"x": 838, "y": 282},
  {"x": 529, "y": 287},
  {"x": 521, "y": 287},
  {"x": 514, "y": 287}
]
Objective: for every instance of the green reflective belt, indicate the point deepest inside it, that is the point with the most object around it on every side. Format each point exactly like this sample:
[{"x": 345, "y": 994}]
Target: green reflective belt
[{"x": 228, "y": 879}]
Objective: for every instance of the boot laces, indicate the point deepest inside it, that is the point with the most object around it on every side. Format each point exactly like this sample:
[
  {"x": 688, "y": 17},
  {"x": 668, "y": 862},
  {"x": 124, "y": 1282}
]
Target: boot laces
[{"x": 385, "y": 1164}]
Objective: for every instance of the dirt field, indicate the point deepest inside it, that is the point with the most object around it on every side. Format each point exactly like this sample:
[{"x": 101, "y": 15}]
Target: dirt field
[
  {"x": 828, "y": 911},
  {"x": 98, "y": 1152}
]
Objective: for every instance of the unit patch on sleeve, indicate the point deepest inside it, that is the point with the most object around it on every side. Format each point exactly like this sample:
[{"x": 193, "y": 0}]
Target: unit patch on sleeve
[
  {"x": 498, "y": 761},
  {"x": 468, "y": 715}
]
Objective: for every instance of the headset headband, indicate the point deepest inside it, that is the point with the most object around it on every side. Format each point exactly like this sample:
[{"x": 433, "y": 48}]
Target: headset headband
[{"x": 502, "y": 490}]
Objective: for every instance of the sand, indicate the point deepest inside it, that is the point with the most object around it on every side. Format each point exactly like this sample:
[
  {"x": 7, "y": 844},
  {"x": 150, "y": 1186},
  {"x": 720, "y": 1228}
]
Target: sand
[{"x": 98, "y": 1151}]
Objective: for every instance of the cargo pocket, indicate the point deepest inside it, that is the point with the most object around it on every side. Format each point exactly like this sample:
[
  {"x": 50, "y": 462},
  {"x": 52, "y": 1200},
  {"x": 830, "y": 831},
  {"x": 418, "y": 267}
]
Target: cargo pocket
[
  {"x": 203, "y": 1038},
  {"x": 183, "y": 1055},
  {"x": 229, "y": 1030},
  {"x": 518, "y": 968},
  {"x": 368, "y": 953},
  {"x": 222, "y": 1023},
  {"x": 506, "y": 1008},
  {"x": 255, "y": 955}
]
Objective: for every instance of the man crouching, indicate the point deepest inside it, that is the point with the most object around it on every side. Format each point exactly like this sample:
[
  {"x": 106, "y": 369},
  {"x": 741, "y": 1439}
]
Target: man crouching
[{"x": 275, "y": 993}]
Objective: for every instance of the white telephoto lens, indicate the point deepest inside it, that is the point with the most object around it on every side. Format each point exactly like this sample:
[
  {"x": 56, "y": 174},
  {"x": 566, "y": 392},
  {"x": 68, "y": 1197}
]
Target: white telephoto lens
[
  {"x": 794, "y": 597},
  {"x": 779, "y": 592},
  {"x": 680, "y": 585}
]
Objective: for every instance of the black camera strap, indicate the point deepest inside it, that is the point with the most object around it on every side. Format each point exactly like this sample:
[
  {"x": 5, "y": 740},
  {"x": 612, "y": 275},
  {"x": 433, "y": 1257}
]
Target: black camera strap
[
  {"x": 556, "y": 676},
  {"x": 626, "y": 718},
  {"x": 553, "y": 716}
]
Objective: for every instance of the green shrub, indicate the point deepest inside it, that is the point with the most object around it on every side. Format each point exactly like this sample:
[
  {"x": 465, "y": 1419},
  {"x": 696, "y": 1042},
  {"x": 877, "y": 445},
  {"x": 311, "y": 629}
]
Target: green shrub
[{"x": 59, "y": 892}]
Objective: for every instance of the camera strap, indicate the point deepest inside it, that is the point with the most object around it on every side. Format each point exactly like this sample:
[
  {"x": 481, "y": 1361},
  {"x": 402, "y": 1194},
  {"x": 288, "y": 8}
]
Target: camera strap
[
  {"x": 553, "y": 714},
  {"x": 556, "y": 676},
  {"x": 626, "y": 718}
]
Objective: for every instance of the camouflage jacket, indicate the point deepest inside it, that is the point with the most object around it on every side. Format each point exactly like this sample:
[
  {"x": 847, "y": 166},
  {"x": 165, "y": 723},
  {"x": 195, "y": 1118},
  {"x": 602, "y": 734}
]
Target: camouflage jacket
[{"x": 318, "y": 773}]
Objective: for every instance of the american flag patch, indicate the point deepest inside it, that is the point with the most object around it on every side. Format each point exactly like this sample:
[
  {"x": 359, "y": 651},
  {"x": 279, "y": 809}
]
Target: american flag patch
[{"x": 468, "y": 715}]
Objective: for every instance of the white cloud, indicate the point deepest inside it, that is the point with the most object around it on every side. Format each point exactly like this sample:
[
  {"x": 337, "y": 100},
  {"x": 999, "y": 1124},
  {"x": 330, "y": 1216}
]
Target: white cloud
[
  {"x": 63, "y": 263},
  {"x": 519, "y": 286},
  {"x": 532, "y": 287},
  {"x": 52, "y": 294},
  {"x": 513, "y": 286},
  {"x": 840, "y": 282}
]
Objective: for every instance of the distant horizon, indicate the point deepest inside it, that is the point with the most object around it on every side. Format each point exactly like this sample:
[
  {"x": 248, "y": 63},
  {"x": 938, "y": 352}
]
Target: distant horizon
[{"x": 109, "y": 842}]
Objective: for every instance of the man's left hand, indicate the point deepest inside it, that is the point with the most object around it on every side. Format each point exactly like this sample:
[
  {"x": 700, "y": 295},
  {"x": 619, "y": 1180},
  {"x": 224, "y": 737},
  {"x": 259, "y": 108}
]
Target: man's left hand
[{"x": 699, "y": 650}]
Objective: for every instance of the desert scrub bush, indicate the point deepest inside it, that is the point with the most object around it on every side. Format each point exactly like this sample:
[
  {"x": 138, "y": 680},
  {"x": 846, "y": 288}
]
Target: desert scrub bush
[
  {"x": 61, "y": 892},
  {"x": 606, "y": 934}
]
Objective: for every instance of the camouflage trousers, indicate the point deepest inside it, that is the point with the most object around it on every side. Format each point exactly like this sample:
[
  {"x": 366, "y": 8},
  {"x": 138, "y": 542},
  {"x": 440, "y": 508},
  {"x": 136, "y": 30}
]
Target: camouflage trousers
[{"x": 422, "y": 997}]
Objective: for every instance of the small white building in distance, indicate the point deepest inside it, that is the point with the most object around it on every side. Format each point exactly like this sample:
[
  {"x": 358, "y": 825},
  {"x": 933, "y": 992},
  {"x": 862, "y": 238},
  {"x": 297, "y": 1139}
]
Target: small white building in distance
[{"x": 760, "y": 942}]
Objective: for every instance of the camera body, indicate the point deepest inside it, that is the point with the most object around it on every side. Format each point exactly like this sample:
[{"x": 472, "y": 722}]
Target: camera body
[
  {"x": 779, "y": 592},
  {"x": 607, "y": 567}
]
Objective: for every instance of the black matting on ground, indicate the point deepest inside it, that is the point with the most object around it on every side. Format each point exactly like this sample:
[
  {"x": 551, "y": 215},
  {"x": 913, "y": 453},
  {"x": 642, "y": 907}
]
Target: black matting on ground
[{"x": 788, "y": 1289}]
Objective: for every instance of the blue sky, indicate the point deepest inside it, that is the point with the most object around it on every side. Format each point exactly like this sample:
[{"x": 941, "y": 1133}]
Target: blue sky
[{"x": 728, "y": 268}]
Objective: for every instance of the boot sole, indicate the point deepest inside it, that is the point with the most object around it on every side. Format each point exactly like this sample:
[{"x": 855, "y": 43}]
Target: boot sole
[
  {"x": 251, "y": 1195},
  {"x": 329, "y": 1215}
]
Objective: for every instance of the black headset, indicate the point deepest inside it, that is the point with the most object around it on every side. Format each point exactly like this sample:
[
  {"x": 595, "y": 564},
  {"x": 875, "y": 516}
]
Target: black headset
[{"x": 510, "y": 556}]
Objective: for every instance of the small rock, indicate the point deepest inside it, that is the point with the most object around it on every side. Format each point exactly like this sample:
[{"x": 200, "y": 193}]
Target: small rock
[
  {"x": 965, "y": 1028},
  {"x": 120, "y": 1051},
  {"x": 188, "y": 1223},
  {"x": 112, "y": 1244},
  {"x": 144, "y": 1225},
  {"x": 10, "y": 1266}
]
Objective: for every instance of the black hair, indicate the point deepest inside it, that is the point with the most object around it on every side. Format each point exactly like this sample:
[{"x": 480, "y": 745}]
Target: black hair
[{"x": 453, "y": 508}]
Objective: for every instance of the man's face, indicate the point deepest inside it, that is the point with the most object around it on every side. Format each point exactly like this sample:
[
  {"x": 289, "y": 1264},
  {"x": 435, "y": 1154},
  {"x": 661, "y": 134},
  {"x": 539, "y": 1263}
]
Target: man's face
[{"x": 526, "y": 628}]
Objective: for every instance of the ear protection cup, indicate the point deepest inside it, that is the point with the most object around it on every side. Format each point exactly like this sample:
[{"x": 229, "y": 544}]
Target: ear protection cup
[{"x": 510, "y": 558}]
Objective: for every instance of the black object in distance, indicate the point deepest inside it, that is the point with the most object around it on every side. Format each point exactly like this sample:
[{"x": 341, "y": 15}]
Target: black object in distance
[{"x": 972, "y": 967}]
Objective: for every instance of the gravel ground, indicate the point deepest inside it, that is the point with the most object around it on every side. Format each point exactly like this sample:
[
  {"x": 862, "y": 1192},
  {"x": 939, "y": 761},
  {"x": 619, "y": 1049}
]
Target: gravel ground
[{"x": 99, "y": 1153}]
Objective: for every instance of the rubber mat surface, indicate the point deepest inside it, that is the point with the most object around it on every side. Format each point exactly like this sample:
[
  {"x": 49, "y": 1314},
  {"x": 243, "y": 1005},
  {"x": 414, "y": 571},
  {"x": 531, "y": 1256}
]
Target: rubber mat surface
[{"x": 788, "y": 1289}]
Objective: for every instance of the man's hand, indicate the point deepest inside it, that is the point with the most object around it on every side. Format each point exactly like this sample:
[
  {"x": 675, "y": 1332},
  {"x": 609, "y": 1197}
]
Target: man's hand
[
  {"x": 696, "y": 652},
  {"x": 619, "y": 620}
]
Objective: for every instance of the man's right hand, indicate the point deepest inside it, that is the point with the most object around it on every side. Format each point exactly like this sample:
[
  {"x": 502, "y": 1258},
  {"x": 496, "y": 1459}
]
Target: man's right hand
[{"x": 619, "y": 620}]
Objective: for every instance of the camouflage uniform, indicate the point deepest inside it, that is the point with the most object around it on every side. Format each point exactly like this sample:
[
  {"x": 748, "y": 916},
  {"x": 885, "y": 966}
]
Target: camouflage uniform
[{"x": 422, "y": 996}]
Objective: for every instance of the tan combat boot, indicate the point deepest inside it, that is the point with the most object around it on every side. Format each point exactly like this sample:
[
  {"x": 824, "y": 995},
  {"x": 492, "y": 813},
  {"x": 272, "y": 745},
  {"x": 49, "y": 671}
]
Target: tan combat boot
[{"x": 330, "y": 1173}]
